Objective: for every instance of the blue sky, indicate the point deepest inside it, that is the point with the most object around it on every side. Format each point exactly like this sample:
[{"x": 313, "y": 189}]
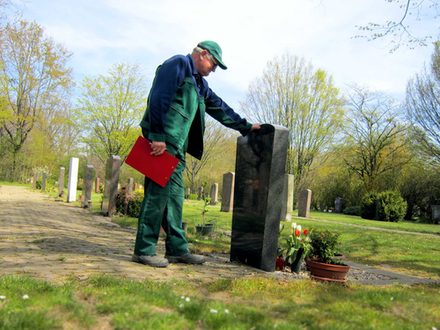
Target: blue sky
[{"x": 101, "y": 33}]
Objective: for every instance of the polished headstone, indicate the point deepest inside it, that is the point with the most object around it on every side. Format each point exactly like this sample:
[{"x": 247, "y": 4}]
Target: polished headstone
[{"x": 259, "y": 184}]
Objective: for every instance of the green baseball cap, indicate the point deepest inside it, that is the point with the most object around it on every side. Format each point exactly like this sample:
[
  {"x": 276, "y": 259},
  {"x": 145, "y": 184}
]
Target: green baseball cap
[{"x": 214, "y": 49}]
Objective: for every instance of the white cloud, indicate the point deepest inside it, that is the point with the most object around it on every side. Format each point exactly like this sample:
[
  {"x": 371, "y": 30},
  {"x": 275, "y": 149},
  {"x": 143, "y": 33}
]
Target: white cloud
[{"x": 251, "y": 33}]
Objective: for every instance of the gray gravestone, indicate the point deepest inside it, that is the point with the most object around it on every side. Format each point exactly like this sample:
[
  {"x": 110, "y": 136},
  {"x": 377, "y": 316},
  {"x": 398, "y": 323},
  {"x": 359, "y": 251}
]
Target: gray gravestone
[
  {"x": 111, "y": 185},
  {"x": 289, "y": 185},
  {"x": 435, "y": 213},
  {"x": 130, "y": 186},
  {"x": 259, "y": 183},
  {"x": 88, "y": 186},
  {"x": 73, "y": 180},
  {"x": 200, "y": 193},
  {"x": 228, "y": 192},
  {"x": 43, "y": 182},
  {"x": 338, "y": 205},
  {"x": 61, "y": 182},
  {"x": 34, "y": 181},
  {"x": 305, "y": 199},
  {"x": 187, "y": 193},
  {"x": 214, "y": 194}
]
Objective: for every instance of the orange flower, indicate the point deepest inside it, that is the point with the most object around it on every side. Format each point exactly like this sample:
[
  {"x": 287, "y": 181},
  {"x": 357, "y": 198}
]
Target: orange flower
[{"x": 297, "y": 233}]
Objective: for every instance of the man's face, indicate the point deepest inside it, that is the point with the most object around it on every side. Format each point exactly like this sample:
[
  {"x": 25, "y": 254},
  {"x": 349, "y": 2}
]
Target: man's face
[{"x": 205, "y": 63}]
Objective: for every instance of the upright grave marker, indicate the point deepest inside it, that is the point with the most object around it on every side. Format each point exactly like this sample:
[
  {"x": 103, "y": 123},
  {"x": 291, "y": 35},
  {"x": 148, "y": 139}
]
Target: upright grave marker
[
  {"x": 214, "y": 194},
  {"x": 228, "y": 192},
  {"x": 259, "y": 183},
  {"x": 289, "y": 184},
  {"x": 130, "y": 186},
  {"x": 88, "y": 185},
  {"x": 43, "y": 181},
  {"x": 111, "y": 185},
  {"x": 73, "y": 180},
  {"x": 305, "y": 199},
  {"x": 61, "y": 182}
]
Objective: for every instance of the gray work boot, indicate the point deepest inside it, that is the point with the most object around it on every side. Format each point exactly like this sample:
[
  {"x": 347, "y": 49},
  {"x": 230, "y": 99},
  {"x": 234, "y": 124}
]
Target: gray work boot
[
  {"x": 187, "y": 259},
  {"x": 153, "y": 261}
]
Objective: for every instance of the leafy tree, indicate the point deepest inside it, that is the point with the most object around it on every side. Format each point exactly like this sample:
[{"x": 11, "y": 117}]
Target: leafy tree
[
  {"x": 401, "y": 30},
  {"x": 423, "y": 107},
  {"x": 292, "y": 94},
  {"x": 33, "y": 72},
  {"x": 110, "y": 109},
  {"x": 332, "y": 179},
  {"x": 375, "y": 138}
]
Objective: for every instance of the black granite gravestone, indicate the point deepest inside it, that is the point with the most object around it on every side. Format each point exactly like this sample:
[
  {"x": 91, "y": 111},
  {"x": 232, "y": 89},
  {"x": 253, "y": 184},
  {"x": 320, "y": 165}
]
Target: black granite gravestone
[{"x": 259, "y": 182}]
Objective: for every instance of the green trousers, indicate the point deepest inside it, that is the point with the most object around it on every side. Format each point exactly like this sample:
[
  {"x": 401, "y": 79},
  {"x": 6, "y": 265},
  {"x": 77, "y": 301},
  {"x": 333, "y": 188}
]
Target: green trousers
[{"x": 162, "y": 207}]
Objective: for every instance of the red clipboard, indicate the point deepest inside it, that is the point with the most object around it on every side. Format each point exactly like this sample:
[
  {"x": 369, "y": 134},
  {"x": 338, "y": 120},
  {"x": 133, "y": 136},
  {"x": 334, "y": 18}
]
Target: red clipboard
[{"x": 157, "y": 168}]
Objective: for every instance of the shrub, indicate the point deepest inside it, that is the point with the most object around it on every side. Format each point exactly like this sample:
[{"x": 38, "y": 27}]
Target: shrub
[
  {"x": 352, "y": 210},
  {"x": 129, "y": 204},
  {"x": 193, "y": 197},
  {"x": 369, "y": 205},
  {"x": 134, "y": 204},
  {"x": 391, "y": 206},
  {"x": 384, "y": 206}
]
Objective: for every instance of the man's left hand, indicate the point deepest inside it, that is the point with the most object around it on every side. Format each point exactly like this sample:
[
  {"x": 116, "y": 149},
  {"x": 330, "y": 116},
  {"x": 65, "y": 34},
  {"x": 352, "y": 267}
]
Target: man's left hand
[{"x": 255, "y": 127}]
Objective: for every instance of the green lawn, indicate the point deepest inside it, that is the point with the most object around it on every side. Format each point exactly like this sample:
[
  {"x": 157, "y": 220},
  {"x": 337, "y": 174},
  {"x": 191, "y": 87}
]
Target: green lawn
[
  {"x": 252, "y": 302},
  {"x": 413, "y": 249},
  {"x": 244, "y": 303}
]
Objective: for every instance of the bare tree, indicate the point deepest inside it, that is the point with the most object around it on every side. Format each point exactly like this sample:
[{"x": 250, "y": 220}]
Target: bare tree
[
  {"x": 213, "y": 137},
  {"x": 401, "y": 30},
  {"x": 374, "y": 137},
  {"x": 292, "y": 94},
  {"x": 423, "y": 107}
]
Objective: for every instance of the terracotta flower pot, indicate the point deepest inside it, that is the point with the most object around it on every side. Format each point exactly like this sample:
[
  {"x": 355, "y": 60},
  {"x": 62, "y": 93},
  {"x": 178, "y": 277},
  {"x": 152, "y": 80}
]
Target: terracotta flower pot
[{"x": 327, "y": 272}]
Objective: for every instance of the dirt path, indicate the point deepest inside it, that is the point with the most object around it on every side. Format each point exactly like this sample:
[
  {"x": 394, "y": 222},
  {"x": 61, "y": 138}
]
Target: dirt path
[{"x": 54, "y": 241}]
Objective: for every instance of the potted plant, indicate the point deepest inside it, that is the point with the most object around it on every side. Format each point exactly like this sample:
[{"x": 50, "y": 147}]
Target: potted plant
[
  {"x": 205, "y": 228},
  {"x": 321, "y": 260},
  {"x": 297, "y": 247}
]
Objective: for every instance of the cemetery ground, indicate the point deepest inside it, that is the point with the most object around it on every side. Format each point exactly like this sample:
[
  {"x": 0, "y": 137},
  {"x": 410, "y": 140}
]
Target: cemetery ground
[{"x": 67, "y": 267}]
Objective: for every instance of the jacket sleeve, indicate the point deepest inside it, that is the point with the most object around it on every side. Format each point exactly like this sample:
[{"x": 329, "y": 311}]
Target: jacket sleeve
[
  {"x": 223, "y": 113},
  {"x": 168, "y": 78}
]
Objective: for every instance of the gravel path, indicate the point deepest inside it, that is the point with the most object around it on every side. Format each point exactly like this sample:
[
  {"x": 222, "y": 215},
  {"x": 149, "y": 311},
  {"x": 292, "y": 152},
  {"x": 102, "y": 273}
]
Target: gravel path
[{"x": 54, "y": 241}]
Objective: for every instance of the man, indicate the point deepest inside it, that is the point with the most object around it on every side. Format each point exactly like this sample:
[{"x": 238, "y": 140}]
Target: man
[{"x": 174, "y": 121}]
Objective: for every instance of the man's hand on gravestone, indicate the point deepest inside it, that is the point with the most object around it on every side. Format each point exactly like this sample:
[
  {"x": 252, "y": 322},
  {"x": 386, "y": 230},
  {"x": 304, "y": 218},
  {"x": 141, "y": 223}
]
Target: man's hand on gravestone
[{"x": 255, "y": 127}]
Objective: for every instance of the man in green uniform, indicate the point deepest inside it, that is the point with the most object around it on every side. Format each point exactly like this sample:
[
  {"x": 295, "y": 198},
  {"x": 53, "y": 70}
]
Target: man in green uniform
[{"x": 175, "y": 121}]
